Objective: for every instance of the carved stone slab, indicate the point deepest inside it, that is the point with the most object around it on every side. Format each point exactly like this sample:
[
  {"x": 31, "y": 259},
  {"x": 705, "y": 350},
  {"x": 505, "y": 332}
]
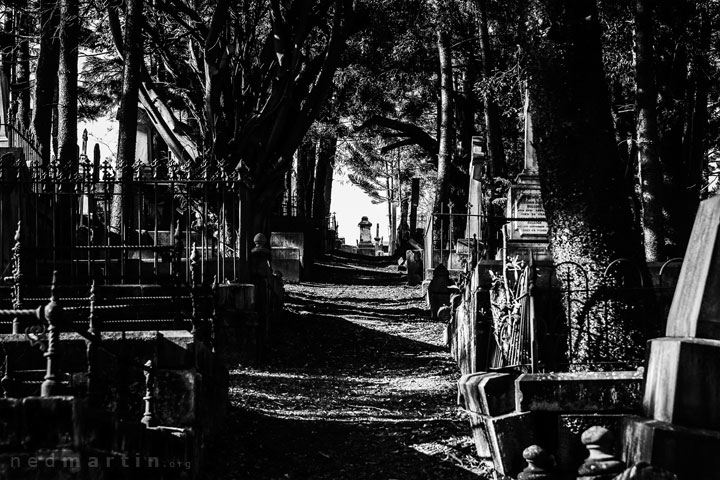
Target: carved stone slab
[{"x": 695, "y": 311}]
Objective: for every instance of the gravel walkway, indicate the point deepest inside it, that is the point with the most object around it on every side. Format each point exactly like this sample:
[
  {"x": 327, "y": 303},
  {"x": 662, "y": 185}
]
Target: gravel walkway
[{"x": 358, "y": 387}]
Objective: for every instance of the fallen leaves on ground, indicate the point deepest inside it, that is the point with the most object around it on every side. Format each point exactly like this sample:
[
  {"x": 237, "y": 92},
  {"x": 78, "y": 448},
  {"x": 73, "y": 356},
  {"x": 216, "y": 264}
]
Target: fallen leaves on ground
[{"x": 357, "y": 386}]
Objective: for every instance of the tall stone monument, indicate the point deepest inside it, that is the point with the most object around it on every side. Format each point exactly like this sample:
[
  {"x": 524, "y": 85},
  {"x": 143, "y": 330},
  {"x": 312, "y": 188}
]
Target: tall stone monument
[
  {"x": 474, "y": 221},
  {"x": 681, "y": 427},
  {"x": 4, "y": 102},
  {"x": 525, "y": 202},
  {"x": 365, "y": 244}
]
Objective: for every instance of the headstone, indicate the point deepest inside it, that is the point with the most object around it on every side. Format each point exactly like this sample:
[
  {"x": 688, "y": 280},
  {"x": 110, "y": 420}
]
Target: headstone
[
  {"x": 695, "y": 311},
  {"x": 366, "y": 245},
  {"x": 413, "y": 262},
  {"x": 508, "y": 436},
  {"x": 525, "y": 202},
  {"x": 438, "y": 290},
  {"x": 365, "y": 230}
]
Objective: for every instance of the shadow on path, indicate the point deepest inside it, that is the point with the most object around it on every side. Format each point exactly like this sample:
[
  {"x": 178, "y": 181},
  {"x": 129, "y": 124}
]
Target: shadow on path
[{"x": 357, "y": 386}]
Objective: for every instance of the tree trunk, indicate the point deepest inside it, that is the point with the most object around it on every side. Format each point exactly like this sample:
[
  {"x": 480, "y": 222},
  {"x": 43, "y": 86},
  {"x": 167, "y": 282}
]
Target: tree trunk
[
  {"x": 329, "y": 182},
  {"x": 647, "y": 137},
  {"x": 446, "y": 134},
  {"x": 587, "y": 208},
  {"x": 414, "y": 201},
  {"x": 696, "y": 129},
  {"x": 133, "y": 52},
  {"x": 305, "y": 170},
  {"x": 325, "y": 163},
  {"x": 22, "y": 72},
  {"x": 67, "y": 86},
  {"x": 497, "y": 163},
  {"x": 46, "y": 78},
  {"x": 465, "y": 116},
  {"x": 63, "y": 213}
]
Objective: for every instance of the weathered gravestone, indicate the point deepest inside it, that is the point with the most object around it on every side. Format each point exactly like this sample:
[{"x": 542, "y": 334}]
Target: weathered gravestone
[
  {"x": 682, "y": 391},
  {"x": 528, "y": 231},
  {"x": 413, "y": 262},
  {"x": 438, "y": 290}
]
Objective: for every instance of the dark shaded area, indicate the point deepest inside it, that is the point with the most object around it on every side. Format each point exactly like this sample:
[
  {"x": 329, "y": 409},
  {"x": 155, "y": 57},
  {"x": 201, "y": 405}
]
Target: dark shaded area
[
  {"x": 332, "y": 344},
  {"x": 273, "y": 448}
]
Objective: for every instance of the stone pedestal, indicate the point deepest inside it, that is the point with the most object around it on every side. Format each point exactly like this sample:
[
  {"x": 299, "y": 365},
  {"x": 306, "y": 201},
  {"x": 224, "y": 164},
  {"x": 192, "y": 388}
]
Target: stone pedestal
[
  {"x": 682, "y": 385},
  {"x": 682, "y": 391},
  {"x": 690, "y": 453}
]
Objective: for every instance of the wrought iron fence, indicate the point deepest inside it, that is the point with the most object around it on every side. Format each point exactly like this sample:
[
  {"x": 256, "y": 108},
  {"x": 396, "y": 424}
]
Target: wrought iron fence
[
  {"x": 571, "y": 316},
  {"x": 136, "y": 228}
]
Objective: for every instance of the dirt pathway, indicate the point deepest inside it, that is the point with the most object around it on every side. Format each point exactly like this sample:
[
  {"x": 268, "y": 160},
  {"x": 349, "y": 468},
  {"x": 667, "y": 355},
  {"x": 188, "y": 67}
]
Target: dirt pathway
[{"x": 358, "y": 387}]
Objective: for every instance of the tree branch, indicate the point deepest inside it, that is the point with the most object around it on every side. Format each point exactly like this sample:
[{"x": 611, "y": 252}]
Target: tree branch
[{"x": 416, "y": 135}]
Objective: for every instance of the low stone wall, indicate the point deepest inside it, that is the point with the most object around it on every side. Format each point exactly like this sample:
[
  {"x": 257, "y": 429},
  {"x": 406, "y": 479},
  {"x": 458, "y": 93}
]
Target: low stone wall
[{"x": 509, "y": 412}]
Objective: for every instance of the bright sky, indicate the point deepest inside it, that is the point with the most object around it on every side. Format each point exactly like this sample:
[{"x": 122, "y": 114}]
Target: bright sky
[{"x": 350, "y": 204}]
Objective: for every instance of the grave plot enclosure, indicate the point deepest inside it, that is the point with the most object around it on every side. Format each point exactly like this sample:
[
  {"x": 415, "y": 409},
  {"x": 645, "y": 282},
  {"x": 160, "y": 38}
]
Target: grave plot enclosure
[{"x": 94, "y": 225}]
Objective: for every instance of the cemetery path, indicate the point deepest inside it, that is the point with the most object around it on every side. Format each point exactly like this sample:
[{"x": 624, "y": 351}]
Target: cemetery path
[{"x": 357, "y": 387}]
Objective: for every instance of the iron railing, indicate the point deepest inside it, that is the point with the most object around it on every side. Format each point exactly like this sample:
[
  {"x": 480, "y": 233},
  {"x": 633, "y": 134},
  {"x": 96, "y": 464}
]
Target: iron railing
[
  {"x": 136, "y": 229},
  {"x": 561, "y": 313}
]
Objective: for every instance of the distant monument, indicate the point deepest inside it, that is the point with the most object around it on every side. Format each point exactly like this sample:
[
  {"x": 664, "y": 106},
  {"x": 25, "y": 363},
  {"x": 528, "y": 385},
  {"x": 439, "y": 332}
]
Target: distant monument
[
  {"x": 366, "y": 245},
  {"x": 524, "y": 201}
]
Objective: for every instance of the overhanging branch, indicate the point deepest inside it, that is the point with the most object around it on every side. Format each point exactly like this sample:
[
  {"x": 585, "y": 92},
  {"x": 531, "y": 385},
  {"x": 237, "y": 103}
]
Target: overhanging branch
[{"x": 416, "y": 135}]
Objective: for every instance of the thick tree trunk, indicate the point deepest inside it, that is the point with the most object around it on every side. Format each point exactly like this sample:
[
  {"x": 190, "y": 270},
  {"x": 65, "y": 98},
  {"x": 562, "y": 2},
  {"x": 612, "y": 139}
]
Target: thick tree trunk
[
  {"x": 647, "y": 133},
  {"x": 22, "y": 70},
  {"x": 305, "y": 171},
  {"x": 696, "y": 128},
  {"x": 446, "y": 134},
  {"x": 133, "y": 52},
  {"x": 67, "y": 86},
  {"x": 46, "y": 78},
  {"x": 63, "y": 213},
  {"x": 587, "y": 208},
  {"x": 465, "y": 116},
  {"x": 323, "y": 172},
  {"x": 497, "y": 163}
]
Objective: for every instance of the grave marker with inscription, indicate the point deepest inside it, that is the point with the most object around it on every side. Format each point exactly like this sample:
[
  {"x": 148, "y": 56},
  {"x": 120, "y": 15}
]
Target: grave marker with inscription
[{"x": 525, "y": 201}]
